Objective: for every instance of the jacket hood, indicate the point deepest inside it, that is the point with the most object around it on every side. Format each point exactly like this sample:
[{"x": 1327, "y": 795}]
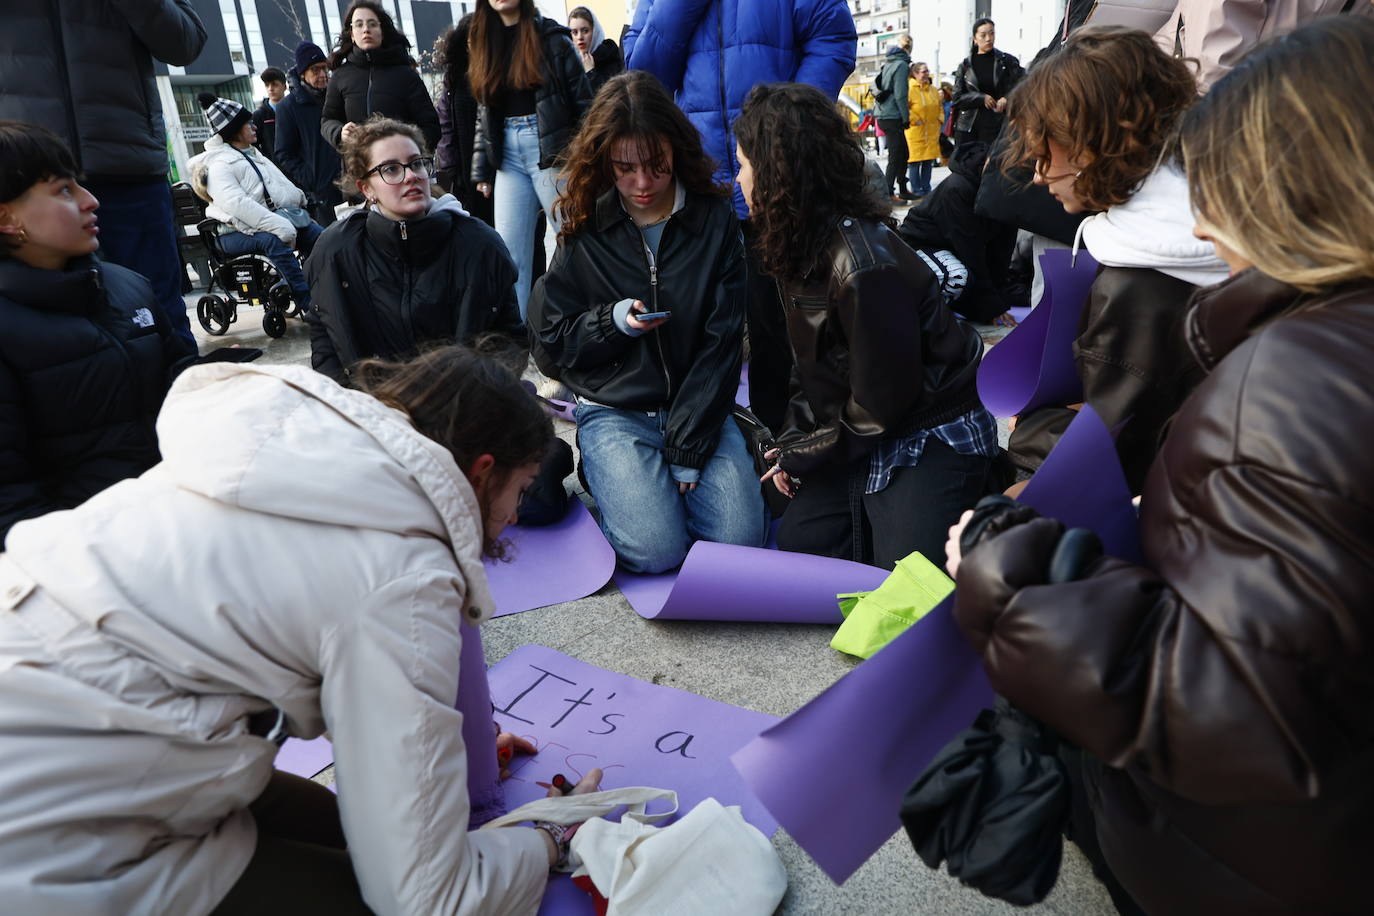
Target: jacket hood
[
  {"x": 75, "y": 290},
  {"x": 1154, "y": 229},
  {"x": 968, "y": 160},
  {"x": 895, "y": 54},
  {"x": 287, "y": 441},
  {"x": 598, "y": 33}
]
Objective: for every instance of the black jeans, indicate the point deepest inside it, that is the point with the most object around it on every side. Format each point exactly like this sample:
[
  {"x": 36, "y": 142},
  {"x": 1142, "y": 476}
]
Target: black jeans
[
  {"x": 896, "y": 153},
  {"x": 832, "y": 516},
  {"x": 301, "y": 864}
]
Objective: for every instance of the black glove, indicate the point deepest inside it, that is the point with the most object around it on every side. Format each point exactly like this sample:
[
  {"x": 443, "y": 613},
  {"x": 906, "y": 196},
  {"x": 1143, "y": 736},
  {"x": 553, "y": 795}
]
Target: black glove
[
  {"x": 1078, "y": 548},
  {"x": 993, "y": 515}
]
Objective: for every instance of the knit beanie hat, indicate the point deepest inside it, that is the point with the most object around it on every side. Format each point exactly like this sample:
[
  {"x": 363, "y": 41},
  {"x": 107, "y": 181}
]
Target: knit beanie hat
[
  {"x": 307, "y": 55},
  {"x": 226, "y": 116}
]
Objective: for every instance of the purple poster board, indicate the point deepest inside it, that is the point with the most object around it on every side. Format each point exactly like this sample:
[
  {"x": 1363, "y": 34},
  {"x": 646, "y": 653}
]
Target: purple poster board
[
  {"x": 907, "y": 701},
  {"x": 304, "y": 758},
  {"x": 640, "y": 734},
  {"x": 740, "y": 584},
  {"x": 552, "y": 564},
  {"x": 1033, "y": 365}
]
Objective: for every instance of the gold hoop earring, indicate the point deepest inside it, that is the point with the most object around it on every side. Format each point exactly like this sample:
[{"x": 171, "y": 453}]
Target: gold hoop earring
[{"x": 23, "y": 236}]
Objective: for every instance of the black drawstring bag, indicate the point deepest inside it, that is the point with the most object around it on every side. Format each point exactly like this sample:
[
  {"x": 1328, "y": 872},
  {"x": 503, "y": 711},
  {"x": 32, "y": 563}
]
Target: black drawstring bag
[{"x": 993, "y": 804}]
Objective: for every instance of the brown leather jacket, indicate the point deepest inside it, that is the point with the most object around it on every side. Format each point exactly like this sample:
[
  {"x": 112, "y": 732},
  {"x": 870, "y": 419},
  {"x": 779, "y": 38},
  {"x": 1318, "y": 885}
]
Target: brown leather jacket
[
  {"x": 1226, "y": 691},
  {"x": 1134, "y": 362},
  {"x": 877, "y": 354}
]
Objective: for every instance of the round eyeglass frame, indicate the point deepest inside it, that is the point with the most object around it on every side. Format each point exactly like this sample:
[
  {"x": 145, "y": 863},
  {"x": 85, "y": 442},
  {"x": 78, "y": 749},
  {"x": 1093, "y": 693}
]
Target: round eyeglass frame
[{"x": 420, "y": 167}]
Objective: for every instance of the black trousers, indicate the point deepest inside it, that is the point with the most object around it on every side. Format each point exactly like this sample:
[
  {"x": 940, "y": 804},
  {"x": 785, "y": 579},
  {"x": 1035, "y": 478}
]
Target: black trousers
[
  {"x": 832, "y": 516},
  {"x": 896, "y": 153},
  {"x": 301, "y": 864},
  {"x": 1082, "y": 771}
]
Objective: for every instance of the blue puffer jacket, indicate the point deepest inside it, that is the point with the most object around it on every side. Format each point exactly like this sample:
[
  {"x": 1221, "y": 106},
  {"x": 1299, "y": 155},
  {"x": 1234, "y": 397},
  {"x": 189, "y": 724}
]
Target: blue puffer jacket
[{"x": 710, "y": 53}]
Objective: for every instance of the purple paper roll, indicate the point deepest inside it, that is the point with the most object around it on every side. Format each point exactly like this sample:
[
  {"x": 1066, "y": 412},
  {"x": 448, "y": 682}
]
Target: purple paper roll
[
  {"x": 561, "y": 562},
  {"x": 1081, "y": 484},
  {"x": 485, "y": 791},
  {"x": 864, "y": 740},
  {"x": 1033, "y": 365},
  {"x": 726, "y": 582}
]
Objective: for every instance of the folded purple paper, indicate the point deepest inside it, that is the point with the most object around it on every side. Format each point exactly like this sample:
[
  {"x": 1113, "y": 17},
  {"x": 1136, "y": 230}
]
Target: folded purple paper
[
  {"x": 304, "y": 758},
  {"x": 864, "y": 740},
  {"x": 746, "y": 584},
  {"x": 564, "y": 561},
  {"x": 1034, "y": 365}
]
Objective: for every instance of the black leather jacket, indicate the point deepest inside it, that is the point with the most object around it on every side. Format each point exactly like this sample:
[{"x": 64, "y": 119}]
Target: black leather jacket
[
  {"x": 968, "y": 93},
  {"x": 689, "y": 365},
  {"x": 559, "y": 103},
  {"x": 877, "y": 354}
]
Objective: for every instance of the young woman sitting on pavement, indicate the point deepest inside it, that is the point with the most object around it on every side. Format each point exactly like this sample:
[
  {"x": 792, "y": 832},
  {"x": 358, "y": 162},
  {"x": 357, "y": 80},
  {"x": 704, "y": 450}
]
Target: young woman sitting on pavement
[
  {"x": 262, "y": 211},
  {"x": 144, "y": 688},
  {"x": 885, "y": 441},
  {"x": 86, "y": 357},
  {"x": 647, "y": 231},
  {"x": 1095, "y": 120},
  {"x": 408, "y": 272},
  {"x": 1221, "y": 695}
]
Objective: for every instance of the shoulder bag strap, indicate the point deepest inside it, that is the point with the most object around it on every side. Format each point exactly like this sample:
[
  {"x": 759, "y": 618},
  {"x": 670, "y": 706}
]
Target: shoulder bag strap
[{"x": 266, "y": 196}]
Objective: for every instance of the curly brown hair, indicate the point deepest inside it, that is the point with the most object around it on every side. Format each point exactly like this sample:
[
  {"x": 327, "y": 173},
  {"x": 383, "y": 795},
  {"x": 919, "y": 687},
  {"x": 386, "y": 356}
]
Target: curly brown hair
[
  {"x": 632, "y": 106},
  {"x": 808, "y": 172},
  {"x": 1110, "y": 97},
  {"x": 354, "y": 152}
]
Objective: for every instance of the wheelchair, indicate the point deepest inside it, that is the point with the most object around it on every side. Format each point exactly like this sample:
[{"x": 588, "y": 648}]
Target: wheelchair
[{"x": 245, "y": 279}]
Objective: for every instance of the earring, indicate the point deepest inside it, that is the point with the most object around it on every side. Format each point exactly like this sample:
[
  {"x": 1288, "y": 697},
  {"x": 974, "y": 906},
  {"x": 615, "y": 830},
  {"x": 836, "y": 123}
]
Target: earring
[{"x": 23, "y": 235}]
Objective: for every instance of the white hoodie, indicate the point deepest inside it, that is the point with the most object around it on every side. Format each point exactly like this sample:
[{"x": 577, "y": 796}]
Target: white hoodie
[
  {"x": 1154, "y": 229},
  {"x": 300, "y": 546}
]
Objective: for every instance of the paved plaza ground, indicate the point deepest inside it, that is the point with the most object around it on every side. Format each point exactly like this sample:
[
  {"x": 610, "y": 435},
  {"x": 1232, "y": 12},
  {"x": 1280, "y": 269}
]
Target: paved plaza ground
[{"x": 766, "y": 667}]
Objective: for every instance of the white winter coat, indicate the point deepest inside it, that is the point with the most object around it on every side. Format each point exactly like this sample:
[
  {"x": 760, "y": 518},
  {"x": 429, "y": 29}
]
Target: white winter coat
[
  {"x": 300, "y": 546},
  {"x": 236, "y": 192}
]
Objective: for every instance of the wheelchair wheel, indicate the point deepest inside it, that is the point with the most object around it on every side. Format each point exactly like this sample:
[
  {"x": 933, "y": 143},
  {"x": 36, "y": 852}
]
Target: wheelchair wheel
[
  {"x": 274, "y": 322},
  {"x": 214, "y": 313}
]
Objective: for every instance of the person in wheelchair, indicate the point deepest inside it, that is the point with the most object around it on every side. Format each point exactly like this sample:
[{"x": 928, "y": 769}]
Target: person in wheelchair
[{"x": 262, "y": 212}]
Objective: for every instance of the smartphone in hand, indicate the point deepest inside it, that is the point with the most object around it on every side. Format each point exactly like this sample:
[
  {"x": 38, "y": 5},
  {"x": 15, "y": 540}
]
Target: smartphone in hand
[{"x": 650, "y": 316}]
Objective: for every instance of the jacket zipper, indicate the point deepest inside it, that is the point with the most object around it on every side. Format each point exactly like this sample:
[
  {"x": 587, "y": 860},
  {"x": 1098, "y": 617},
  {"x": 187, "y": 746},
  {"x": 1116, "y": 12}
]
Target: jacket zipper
[
  {"x": 406, "y": 292},
  {"x": 368, "y": 55},
  {"x": 652, "y": 263},
  {"x": 55, "y": 20}
]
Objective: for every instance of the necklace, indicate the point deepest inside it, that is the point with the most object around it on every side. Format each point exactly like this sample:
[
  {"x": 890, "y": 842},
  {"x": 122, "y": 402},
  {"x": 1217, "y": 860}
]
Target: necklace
[{"x": 654, "y": 222}]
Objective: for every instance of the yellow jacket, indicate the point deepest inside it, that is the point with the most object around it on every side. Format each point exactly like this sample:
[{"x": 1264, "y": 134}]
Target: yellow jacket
[{"x": 927, "y": 117}]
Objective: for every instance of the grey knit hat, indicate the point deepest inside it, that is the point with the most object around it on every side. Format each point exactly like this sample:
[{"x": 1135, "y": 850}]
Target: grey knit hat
[{"x": 226, "y": 116}]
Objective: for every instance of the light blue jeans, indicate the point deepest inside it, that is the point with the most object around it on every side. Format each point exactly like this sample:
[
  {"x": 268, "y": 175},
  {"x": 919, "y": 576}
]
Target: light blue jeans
[
  {"x": 522, "y": 189},
  {"x": 648, "y": 522}
]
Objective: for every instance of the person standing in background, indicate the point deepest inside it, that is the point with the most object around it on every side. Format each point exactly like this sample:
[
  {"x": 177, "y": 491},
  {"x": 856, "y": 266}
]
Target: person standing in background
[
  {"x": 458, "y": 122},
  {"x": 532, "y": 91},
  {"x": 373, "y": 74},
  {"x": 890, "y": 92},
  {"x": 981, "y": 86},
  {"x": 926, "y": 117},
  {"x": 302, "y": 154},
  {"x": 265, "y": 117},
  {"x": 601, "y": 57},
  {"x": 84, "y": 70}
]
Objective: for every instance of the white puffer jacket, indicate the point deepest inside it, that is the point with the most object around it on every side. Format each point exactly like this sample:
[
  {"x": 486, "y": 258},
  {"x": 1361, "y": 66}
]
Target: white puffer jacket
[
  {"x": 236, "y": 192},
  {"x": 300, "y": 546}
]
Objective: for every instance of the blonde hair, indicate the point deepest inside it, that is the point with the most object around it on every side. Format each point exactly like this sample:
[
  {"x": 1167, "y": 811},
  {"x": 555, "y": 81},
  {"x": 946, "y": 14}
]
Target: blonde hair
[
  {"x": 1280, "y": 166},
  {"x": 905, "y": 43}
]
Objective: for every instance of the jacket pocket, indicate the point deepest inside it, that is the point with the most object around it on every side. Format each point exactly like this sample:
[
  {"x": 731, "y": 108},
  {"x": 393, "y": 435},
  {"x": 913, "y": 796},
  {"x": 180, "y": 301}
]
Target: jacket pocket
[{"x": 810, "y": 302}]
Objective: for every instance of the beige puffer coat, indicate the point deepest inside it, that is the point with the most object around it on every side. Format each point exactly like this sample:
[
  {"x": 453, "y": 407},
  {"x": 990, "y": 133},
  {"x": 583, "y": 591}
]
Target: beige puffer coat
[{"x": 300, "y": 546}]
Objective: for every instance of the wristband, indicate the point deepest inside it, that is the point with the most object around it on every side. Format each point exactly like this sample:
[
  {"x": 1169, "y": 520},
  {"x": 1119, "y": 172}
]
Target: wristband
[{"x": 560, "y": 834}]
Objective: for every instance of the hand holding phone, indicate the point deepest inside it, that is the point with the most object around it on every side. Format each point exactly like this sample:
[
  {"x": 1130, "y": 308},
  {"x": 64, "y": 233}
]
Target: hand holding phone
[
  {"x": 641, "y": 319},
  {"x": 653, "y": 316}
]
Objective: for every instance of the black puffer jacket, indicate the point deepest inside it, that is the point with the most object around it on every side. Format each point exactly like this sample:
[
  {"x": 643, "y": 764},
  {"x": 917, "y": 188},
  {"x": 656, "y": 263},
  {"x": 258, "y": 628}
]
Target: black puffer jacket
[
  {"x": 85, "y": 361},
  {"x": 301, "y": 152},
  {"x": 946, "y": 219},
  {"x": 877, "y": 354},
  {"x": 689, "y": 365},
  {"x": 380, "y": 81},
  {"x": 384, "y": 288},
  {"x": 559, "y": 103},
  {"x": 1223, "y": 690}
]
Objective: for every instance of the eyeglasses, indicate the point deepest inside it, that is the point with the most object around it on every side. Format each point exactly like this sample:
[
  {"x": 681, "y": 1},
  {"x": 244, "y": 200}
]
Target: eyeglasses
[
  {"x": 366, "y": 24},
  {"x": 395, "y": 172}
]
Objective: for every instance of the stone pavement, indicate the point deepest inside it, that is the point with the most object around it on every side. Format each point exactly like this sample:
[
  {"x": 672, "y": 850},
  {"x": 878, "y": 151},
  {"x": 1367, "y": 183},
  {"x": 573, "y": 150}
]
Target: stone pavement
[{"x": 770, "y": 668}]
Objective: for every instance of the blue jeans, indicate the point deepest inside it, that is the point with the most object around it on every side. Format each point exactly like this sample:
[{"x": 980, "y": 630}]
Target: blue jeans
[
  {"x": 521, "y": 189},
  {"x": 648, "y": 522},
  {"x": 918, "y": 175},
  {"x": 279, "y": 253},
  {"x": 138, "y": 231}
]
